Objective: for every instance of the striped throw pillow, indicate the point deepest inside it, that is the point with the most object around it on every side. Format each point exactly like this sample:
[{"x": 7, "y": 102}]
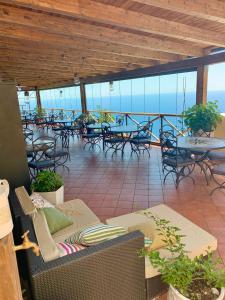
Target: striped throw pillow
[
  {"x": 96, "y": 234},
  {"x": 66, "y": 248}
]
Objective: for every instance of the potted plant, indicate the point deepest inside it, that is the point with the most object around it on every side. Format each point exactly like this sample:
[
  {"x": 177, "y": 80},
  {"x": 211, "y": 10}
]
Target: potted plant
[
  {"x": 50, "y": 185},
  {"x": 202, "y": 118},
  {"x": 40, "y": 112},
  {"x": 196, "y": 279},
  {"x": 104, "y": 117}
]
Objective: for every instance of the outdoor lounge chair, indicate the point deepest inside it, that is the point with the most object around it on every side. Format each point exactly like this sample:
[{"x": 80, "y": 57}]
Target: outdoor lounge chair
[{"x": 110, "y": 270}]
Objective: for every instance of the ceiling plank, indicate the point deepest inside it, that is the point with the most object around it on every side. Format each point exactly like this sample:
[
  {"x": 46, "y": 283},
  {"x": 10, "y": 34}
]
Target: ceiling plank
[
  {"x": 68, "y": 26},
  {"x": 172, "y": 67},
  {"x": 31, "y": 34},
  {"x": 212, "y": 10},
  {"x": 35, "y": 47},
  {"x": 118, "y": 16}
]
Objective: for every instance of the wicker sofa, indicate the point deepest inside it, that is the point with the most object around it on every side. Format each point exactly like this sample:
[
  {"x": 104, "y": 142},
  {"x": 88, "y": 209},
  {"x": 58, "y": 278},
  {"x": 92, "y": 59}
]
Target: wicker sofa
[{"x": 108, "y": 271}]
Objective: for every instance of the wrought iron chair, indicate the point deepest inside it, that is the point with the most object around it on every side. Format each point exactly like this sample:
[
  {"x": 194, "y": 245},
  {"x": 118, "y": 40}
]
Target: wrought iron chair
[
  {"x": 218, "y": 170},
  {"x": 142, "y": 141},
  {"x": 28, "y": 134},
  {"x": 91, "y": 137},
  {"x": 61, "y": 156},
  {"x": 120, "y": 119},
  {"x": 112, "y": 141},
  {"x": 175, "y": 161},
  {"x": 40, "y": 161}
]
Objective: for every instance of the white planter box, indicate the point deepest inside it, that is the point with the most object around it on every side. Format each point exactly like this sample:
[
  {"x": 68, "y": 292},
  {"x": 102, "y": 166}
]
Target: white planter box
[
  {"x": 54, "y": 198},
  {"x": 173, "y": 294}
]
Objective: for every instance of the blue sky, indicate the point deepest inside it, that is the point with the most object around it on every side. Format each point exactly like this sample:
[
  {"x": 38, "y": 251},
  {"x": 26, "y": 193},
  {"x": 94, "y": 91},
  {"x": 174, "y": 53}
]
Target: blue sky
[{"x": 216, "y": 77}]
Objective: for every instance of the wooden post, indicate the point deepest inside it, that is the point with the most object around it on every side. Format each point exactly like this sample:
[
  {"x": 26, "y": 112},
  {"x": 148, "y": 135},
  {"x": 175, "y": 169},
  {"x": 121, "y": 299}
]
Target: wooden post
[
  {"x": 202, "y": 81},
  {"x": 83, "y": 98},
  {"x": 9, "y": 284},
  {"x": 38, "y": 97}
]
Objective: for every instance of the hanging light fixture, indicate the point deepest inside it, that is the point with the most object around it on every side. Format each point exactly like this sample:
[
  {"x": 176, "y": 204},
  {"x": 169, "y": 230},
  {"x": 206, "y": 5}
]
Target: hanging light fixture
[
  {"x": 26, "y": 94},
  {"x": 111, "y": 88},
  {"x": 76, "y": 79}
]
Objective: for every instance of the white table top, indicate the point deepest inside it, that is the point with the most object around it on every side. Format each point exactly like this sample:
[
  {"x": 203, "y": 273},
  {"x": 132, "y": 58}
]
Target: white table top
[{"x": 201, "y": 143}]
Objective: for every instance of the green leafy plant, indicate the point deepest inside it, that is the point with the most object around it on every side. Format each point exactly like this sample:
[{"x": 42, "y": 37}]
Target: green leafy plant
[
  {"x": 193, "y": 278},
  {"x": 40, "y": 112},
  {"x": 203, "y": 117},
  {"x": 47, "y": 181},
  {"x": 104, "y": 116},
  {"x": 88, "y": 118}
]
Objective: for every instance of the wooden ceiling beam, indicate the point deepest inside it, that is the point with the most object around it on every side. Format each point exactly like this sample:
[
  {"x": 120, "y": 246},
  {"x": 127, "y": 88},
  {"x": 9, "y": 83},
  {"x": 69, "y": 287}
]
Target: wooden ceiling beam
[
  {"x": 28, "y": 57},
  {"x": 169, "y": 68},
  {"x": 212, "y": 10},
  {"x": 31, "y": 34},
  {"x": 25, "y": 46},
  {"x": 109, "y": 14},
  {"x": 70, "y": 65},
  {"x": 72, "y": 27}
]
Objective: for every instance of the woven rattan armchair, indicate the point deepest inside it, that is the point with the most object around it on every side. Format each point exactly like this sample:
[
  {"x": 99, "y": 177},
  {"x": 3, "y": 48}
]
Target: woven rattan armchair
[{"x": 110, "y": 270}]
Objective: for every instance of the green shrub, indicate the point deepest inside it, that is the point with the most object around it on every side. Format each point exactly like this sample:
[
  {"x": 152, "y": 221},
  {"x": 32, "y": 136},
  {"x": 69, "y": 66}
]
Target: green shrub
[
  {"x": 203, "y": 117},
  {"x": 193, "y": 278},
  {"x": 47, "y": 181}
]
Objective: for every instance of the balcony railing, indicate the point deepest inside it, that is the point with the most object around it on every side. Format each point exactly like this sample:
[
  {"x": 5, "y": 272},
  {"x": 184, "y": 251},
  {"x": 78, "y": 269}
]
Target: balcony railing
[{"x": 162, "y": 119}]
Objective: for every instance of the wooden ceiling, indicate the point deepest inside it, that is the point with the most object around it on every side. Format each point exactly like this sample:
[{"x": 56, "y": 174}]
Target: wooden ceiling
[{"x": 44, "y": 43}]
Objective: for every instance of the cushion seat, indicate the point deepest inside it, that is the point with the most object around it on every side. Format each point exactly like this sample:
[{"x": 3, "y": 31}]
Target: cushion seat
[
  {"x": 57, "y": 153},
  {"x": 81, "y": 216},
  {"x": 196, "y": 239},
  {"x": 219, "y": 169},
  {"x": 141, "y": 140},
  {"x": 114, "y": 140},
  {"x": 178, "y": 161},
  {"x": 216, "y": 155},
  {"x": 41, "y": 164}
]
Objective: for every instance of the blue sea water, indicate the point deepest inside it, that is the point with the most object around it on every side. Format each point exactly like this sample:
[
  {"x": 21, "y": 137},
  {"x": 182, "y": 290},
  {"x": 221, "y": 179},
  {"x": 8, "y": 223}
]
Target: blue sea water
[{"x": 164, "y": 103}]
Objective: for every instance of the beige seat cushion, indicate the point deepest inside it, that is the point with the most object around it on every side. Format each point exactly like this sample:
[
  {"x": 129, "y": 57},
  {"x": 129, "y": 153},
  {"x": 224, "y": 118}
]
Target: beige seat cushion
[
  {"x": 196, "y": 239},
  {"x": 25, "y": 201},
  {"x": 48, "y": 248},
  {"x": 81, "y": 216}
]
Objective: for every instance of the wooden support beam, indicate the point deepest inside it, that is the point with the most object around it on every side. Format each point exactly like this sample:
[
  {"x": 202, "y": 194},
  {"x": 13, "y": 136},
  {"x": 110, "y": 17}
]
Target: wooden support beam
[
  {"x": 32, "y": 34},
  {"x": 38, "y": 97},
  {"x": 10, "y": 283},
  {"x": 63, "y": 51},
  {"x": 212, "y": 10},
  {"x": 76, "y": 28},
  {"x": 117, "y": 16},
  {"x": 83, "y": 98},
  {"x": 173, "y": 67},
  {"x": 201, "y": 88}
]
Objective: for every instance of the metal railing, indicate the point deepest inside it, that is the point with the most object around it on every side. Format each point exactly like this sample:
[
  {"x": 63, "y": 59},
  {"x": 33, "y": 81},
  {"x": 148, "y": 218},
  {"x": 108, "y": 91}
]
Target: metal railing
[{"x": 163, "y": 119}]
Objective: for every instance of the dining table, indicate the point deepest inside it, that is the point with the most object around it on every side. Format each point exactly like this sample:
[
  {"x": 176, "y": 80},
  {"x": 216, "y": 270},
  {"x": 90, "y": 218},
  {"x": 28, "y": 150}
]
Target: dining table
[
  {"x": 125, "y": 132},
  {"x": 204, "y": 144},
  {"x": 200, "y": 147}
]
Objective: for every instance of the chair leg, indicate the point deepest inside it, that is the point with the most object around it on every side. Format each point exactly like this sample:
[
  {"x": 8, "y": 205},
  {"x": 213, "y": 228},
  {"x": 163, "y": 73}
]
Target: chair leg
[{"x": 220, "y": 185}]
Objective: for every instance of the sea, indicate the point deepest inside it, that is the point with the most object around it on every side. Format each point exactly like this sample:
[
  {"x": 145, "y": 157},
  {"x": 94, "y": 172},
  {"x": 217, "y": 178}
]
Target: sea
[{"x": 164, "y": 103}]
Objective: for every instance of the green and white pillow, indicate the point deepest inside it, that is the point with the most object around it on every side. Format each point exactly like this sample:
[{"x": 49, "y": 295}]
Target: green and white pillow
[
  {"x": 96, "y": 234},
  {"x": 56, "y": 219}
]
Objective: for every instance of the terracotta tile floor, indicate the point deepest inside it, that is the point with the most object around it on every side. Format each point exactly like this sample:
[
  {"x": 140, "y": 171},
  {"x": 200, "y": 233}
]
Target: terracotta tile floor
[{"x": 116, "y": 186}]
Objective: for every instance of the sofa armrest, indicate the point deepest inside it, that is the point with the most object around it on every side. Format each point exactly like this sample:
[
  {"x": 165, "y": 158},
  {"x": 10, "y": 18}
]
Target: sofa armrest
[{"x": 111, "y": 270}]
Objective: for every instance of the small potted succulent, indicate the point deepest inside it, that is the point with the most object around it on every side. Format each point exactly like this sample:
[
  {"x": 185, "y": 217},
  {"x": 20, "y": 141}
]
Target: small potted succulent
[
  {"x": 202, "y": 118},
  {"x": 50, "y": 185},
  {"x": 196, "y": 279}
]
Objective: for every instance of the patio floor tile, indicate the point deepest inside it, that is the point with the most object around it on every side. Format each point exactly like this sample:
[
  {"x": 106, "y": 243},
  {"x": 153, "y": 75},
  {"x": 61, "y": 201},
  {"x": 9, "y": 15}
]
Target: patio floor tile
[{"x": 117, "y": 186}]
